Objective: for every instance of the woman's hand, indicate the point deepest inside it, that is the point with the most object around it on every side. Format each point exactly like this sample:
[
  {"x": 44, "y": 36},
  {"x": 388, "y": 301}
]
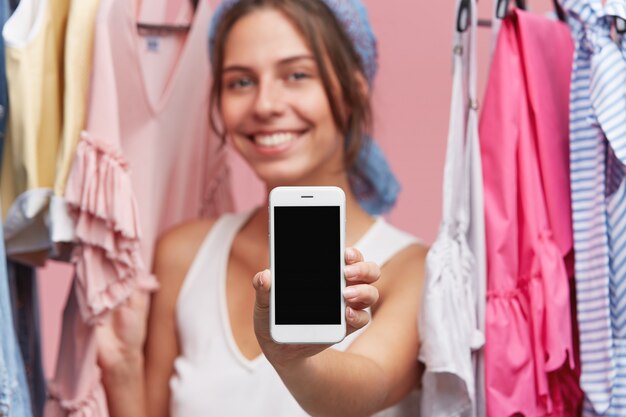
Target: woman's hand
[
  {"x": 122, "y": 333},
  {"x": 359, "y": 295}
]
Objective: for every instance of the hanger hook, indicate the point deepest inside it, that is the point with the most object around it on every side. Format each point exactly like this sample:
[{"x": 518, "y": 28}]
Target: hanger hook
[{"x": 463, "y": 16}]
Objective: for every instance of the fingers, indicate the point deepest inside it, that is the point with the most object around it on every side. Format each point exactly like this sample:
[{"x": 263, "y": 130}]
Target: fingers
[
  {"x": 356, "y": 319},
  {"x": 353, "y": 255},
  {"x": 261, "y": 283},
  {"x": 367, "y": 272},
  {"x": 360, "y": 296}
]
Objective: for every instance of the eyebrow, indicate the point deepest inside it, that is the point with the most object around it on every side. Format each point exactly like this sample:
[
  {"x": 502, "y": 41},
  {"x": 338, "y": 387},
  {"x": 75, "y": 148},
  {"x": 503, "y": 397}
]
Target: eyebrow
[{"x": 285, "y": 61}]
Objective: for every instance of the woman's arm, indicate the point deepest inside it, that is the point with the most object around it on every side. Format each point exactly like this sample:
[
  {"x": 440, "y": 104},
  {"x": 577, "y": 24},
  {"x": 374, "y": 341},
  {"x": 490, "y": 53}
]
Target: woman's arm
[
  {"x": 137, "y": 381},
  {"x": 119, "y": 356},
  {"x": 380, "y": 367}
]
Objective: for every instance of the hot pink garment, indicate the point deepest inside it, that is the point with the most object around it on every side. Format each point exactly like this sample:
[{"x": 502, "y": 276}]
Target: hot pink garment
[
  {"x": 146, "y": 162},
  {"x": 529, "y": 358}
]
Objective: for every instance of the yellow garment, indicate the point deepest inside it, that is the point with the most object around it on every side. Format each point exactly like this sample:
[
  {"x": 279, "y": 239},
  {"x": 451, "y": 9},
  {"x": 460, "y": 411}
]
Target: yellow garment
[
  {"x": 49, "y": 54},
  {"x": 78, "y": 60},
  {"x": 34, "y": 37}
]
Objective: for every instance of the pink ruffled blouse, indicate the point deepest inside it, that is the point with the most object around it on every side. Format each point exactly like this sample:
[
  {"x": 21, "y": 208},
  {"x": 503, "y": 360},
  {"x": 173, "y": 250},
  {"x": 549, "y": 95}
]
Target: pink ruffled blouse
[{"x": 146, "y": 162}]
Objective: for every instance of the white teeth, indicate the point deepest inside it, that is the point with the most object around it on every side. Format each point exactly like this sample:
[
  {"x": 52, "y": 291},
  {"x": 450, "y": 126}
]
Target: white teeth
[{"x": 274, "y": 139}]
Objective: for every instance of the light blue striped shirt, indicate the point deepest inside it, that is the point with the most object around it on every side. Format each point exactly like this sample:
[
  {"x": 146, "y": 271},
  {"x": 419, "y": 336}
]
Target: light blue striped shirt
[{"x": 597, "y": 157}]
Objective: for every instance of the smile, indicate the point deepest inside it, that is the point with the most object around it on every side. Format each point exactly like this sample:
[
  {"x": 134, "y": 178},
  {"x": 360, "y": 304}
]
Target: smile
[{"x": 274, "y": 139}]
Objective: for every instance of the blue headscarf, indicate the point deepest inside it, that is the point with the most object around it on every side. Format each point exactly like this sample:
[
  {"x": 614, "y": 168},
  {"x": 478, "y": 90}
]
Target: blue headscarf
[{"x": 377, "y": 188}]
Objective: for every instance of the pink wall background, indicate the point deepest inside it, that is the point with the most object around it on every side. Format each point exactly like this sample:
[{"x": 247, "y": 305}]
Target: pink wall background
[{"x": 411, "y": 100}]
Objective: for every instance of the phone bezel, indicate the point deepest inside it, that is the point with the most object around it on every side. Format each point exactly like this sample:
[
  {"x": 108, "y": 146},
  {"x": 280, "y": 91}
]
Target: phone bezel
[{"x": 315, "y": 196}]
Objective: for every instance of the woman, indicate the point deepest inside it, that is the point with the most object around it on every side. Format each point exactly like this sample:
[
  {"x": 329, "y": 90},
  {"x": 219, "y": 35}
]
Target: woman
[{"x": 291, "y": 94}]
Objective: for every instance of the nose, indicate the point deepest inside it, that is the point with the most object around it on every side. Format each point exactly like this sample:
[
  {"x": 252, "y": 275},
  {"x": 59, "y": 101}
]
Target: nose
[{"x": 269, "y": 101}]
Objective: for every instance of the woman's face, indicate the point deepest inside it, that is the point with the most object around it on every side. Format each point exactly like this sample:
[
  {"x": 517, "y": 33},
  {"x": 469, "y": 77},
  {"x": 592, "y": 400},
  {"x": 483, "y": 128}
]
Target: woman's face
[{"x": 274, "y": 106}]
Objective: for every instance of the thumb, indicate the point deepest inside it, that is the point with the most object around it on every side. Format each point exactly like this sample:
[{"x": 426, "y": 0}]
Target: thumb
[{"x": 262, "y": 283}]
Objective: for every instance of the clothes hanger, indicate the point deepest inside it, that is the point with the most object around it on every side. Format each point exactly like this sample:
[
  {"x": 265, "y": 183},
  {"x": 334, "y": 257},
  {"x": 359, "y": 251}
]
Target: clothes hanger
[
  {"x": 166, "y": 29},
  {"x": 463, "y": 16},
  {"x": 560, "y": 13},
  {"x": 462, "y": 19},
  {"x": 503, "y": 8}
]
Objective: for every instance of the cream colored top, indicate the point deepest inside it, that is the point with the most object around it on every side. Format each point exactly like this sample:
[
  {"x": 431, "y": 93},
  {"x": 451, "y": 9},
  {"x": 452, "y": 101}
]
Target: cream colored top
[{"x": 211, "y": 375}]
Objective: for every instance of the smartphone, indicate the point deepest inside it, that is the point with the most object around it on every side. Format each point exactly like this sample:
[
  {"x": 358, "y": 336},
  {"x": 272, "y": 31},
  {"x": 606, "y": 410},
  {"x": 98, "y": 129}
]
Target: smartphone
[{"x": 307, "y": 242}]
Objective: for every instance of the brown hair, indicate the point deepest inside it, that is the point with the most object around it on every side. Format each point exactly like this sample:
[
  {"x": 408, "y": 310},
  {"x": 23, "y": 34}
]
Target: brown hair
[{"x": 330, "y": 44}]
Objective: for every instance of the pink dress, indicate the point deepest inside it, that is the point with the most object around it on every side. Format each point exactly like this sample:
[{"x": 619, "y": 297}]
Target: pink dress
[
  {"x": 529, "y": 355},
  {"x": 146, "y": 162}
]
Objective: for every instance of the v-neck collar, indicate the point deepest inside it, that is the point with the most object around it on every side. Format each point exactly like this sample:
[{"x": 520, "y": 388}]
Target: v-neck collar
[{"x": 174, "y": 74}]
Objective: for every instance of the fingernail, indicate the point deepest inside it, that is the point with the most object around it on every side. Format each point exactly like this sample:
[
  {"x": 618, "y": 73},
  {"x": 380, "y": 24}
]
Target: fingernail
[
  {"x": 350, "y": 254},
  {"x": 351, "y": 313},
  {"x": 260, "y": 280},
  {"x": 351, "y": 271},
  {"x": 350, "y": 292}
]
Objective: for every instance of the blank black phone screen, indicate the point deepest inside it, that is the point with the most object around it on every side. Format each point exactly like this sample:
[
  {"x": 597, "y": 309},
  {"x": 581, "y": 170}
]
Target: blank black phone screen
[{"x": 307, "y": 266}]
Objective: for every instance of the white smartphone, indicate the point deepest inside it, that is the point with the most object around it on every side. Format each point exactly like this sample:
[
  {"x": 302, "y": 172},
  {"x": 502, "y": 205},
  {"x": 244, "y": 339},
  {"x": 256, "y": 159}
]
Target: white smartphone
[{"x": 307, "y": 241}]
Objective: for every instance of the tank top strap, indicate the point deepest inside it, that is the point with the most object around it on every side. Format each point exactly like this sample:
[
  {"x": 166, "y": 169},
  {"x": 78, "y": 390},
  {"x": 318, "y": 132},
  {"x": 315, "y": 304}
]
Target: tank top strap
[
  {"x": 213, "y": 251},
  {"x": 383, "y": 241},
  {"x": 223, "y": 232}
]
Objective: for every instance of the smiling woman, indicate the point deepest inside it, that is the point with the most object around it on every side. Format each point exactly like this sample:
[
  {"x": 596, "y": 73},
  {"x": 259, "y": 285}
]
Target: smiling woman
[
  {"x": 314, "y": 36},
  {"x": 274, "y": 106},
  {"x": 291, "y": 93}
]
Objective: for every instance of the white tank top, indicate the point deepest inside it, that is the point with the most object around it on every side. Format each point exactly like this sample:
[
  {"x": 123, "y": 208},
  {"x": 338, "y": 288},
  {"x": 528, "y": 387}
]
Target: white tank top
[{"x": 211, "y": 375}]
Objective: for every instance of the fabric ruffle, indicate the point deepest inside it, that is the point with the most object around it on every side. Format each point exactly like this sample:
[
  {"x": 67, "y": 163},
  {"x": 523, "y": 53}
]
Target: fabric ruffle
[
  {"x": 531, "y": 337},
  {"x": 448, "y": 338},
  {"x": 507, "y": 314},
  {"x": 92, "y": 405},
  {"x": 557, "y": 336},
  {"x": 108, "y": 260}
]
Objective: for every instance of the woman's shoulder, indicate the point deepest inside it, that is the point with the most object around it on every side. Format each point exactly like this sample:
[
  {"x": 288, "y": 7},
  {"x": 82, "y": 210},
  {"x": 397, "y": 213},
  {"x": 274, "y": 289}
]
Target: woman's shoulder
[
  {"x": 397, "y": 247},
  {"x": 408, "y": 263},
  {"x": 177, "y": 247},
  {"x": 401, "y": 283}
]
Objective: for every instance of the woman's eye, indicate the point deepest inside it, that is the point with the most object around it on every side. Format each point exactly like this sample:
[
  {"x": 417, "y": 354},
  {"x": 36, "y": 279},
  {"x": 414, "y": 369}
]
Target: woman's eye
[
  {"x": 296, "y": 76},
  {"x": 239, "y": 83}
]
